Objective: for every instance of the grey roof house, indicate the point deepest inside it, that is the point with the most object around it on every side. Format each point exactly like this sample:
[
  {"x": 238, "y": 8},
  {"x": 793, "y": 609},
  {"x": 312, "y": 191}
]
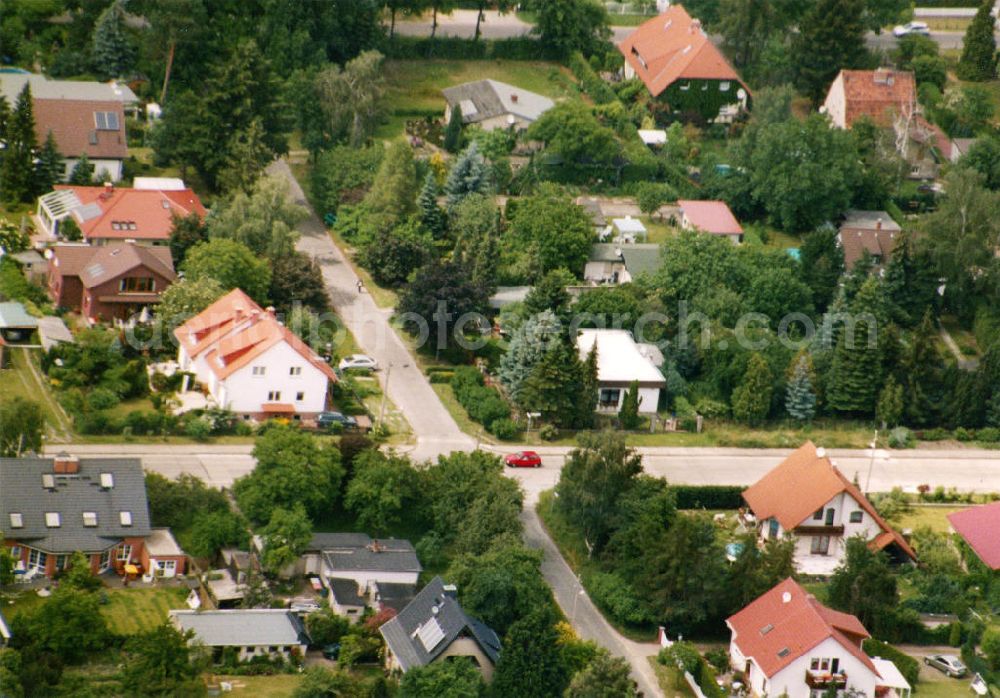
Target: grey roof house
[
  {"x": 258, "y": 632},
  {"x": 434, "y": 627},
  {"x": 53, "y": 507},
  {"x": 611, "y": 263},
  {"x": 491, "y": 104},
  {"x": 15, "y": 323}
]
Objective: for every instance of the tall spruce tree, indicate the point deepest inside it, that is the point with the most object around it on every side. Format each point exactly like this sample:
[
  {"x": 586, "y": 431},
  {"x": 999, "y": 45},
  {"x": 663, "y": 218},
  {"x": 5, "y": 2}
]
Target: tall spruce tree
[
  {"x": 831, "y": 37},
  {"x": 469, "y": 175},
  {"x": 50, "y": 166},
  {"x": 587, "y": 401},
  {"x": 83, "y": 171},
  {"x": 979, "y": 49},
  {"x": 855, "y": 372},
  {"x": 554, "y": 384},
  {"x": 453, "y": 131},
  {"x": 628, "y": 415},
  {"x": 922, "y": 372},
  {"x": 113, "y": 54},
  {"x": 752, "y": 398},
  {"x": 431, "y": 214},
  {"x": 889, "y": 410},
  {"x": 800, "y": 397},
  {"x": 17, "y": 174},
  {"x": 528, "y": 346}
]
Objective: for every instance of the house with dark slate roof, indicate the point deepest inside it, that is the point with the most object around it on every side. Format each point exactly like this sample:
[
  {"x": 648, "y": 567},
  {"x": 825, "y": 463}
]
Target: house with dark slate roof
[
  {"x": 433, "y": 627},
  {"x": 53, "y": 507}
]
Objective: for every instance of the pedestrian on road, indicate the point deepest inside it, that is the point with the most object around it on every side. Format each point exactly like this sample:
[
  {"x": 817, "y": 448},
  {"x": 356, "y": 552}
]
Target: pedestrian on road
[{"x": 360, "y": 285}]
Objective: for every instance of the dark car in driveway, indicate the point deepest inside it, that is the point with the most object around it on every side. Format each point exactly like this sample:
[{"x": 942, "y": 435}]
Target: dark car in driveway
[
  {"x": 523, "y": 459},
  {"x": 325, "y": 420}
]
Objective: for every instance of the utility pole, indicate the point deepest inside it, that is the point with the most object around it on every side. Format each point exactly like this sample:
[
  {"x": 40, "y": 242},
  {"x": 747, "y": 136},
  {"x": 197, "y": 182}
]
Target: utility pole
[
  {"x": 385, "y": 391},
  {"x": 871, "y": 463}
]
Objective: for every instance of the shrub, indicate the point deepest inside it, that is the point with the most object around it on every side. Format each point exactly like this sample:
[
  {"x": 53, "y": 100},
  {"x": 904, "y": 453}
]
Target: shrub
[
  {"x": 687, "y": 418},
  {"x": 990, "y": 435},
  {"x": 708, "y": 496},
  {"x": 900, "y": 437},
  {"x": 711, "y": 409},
  {"x": 504, "y": 428},
  {"x": 936, "y": 434},
  {"x": 548, "y": 432},
  {"x": 198, "y": 429},
  {"x": 102, "y": 399},
  {"x": 963, "y": 434},
  {"x": 590, "y": 81},
  {"x": 616, "y": 597},
  {"x": 955, "y": 635},
  {"x": 718, "y": 658},
  {"x": 907, "y": 665},
  {"x": 440, "y": 377}
]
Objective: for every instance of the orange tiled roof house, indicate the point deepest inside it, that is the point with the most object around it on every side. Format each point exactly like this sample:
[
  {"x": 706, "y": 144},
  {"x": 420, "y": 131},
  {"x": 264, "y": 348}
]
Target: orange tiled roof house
[
  {"x": 807, "y": 497},
  {"x": 685, "y": 74},
  {"x": 250, "y": 363}
]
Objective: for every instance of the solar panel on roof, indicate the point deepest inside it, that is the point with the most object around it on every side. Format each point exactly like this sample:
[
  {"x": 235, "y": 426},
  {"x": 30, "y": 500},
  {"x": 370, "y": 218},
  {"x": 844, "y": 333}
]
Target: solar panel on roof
[
  {"x": 89, "y": 211},
  {"x": 430, "y": 634}
]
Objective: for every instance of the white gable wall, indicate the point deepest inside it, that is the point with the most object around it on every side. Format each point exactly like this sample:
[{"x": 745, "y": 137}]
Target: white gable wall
[
  {"x": 245, "y": 392},
  {"x": 792, "y": 679},
  {"x": 836, "y": 102}
]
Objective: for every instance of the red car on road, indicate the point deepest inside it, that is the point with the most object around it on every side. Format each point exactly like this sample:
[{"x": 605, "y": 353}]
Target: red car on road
[{"x": 523, "y": 459}]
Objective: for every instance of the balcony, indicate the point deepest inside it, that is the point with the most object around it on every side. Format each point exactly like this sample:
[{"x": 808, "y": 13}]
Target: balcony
[
  {"x": 824, "y": 679},
  {"x": 819, "y": 530}
]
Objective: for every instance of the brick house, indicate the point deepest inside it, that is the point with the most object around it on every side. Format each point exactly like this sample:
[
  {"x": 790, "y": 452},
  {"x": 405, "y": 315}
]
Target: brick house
[
  {"x": 53, "y": 507},
  {"x": 110, "y": 282},
  {"x": 881, "y": 95},
  {"x": 682, "y": 69}
]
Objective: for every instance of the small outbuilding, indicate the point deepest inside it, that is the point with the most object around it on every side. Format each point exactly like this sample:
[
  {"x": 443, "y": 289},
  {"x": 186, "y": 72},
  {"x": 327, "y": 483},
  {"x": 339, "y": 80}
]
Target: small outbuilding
[
  {"x": 491, "y": 104},
  {"x": 257, "y": 632},
  {"x": 16, "y": 325}
]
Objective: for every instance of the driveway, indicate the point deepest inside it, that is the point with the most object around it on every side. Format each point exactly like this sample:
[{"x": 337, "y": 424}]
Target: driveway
[{"x": 408, "y": 388}]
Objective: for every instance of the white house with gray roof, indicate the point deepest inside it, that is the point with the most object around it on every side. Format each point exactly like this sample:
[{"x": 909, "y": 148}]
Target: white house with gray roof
[
  {"x": 620, "y": 361},
  {"x": 433, "y": 627},
  {"x": 256, "y": 632},
  {"x": 490, "y": 104},
  {"x": 53, "y": 507}
]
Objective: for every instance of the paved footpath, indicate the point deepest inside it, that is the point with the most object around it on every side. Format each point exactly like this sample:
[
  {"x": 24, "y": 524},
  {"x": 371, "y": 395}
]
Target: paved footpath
[{"x": 435, "y": 430}]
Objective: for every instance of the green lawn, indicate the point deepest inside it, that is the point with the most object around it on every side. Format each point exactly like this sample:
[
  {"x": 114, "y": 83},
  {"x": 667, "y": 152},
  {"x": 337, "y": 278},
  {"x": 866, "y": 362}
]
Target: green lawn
[
  {"x": 933, "y": 517},
  {"x": 671, "y": 682},
  {"x": 26, "y": 380},
  {"x": 278, "y": 686},
  {"x": 413, "y": 87},
  {"x": 457, "y": 412},
  {"x": 128, "y": 611}
]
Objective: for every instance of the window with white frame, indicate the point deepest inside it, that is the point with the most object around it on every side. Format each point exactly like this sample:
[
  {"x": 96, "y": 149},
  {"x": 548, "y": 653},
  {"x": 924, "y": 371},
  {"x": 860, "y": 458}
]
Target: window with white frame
[
  {"x": 52, "y": 519},
  {"x": 273, "y": 395},
  {"x": 124, "y": 552},
  {"x": 15, "y": 552},
  {"x": 125, "y": 517},
  {"x": 37, "y": 559},
  {"x": 857, "y": 516},
  {"x": 105, "y": 561},
  {"x": 16, "y": 520},
  {"x": 90, "y": 518},
  {"x": 295, "y": 371},
  {"x": 259, "y": 370}
]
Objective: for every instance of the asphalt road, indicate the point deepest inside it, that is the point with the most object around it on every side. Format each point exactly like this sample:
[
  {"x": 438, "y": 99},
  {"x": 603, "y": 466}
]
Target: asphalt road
[{"x": 462, "y": 23}]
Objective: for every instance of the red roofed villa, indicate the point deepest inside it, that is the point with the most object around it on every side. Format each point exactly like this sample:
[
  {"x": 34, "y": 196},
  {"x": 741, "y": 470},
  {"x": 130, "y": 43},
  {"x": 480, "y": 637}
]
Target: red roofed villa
[
  {"x": 787, "y": 643},
  {"x": 712, "y": 217},
  {"x": 825, "y": 511},
  {"x": 680, "y": 66},
  {"x": 882, "y": 95},
  {"x": 250, "y": 363},
  {"x": 143, "y": 214},
  {"x": 979, "y": 527}
]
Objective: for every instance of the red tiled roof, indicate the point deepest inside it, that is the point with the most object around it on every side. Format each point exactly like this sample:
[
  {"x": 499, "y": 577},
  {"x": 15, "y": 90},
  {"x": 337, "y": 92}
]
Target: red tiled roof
[
  {"x": 672, "y": 47},
  {"x": 815, "y": 481},
  {"x": 711, "y": 217},
  {"x": 980, "y": 528},
  {"x": 149, "y": 210},
  {"x": 234, "y": 331},
  {"x": 786, "y": 622},
  {"x": 73, "y": 126},
  {"x": 878, "y": 94}
]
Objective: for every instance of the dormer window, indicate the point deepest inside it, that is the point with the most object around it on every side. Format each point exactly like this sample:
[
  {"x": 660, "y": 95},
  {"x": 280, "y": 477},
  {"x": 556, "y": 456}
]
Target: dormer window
[
  {"x": 90, "y": 518},
  {"x": 16, "y": 520},
  {"x": 125, "y": 517},
  {"x": 52, "y": 519}
]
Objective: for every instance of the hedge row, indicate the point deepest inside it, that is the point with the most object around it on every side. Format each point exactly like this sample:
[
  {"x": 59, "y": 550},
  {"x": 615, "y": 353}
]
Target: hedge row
[
  {"x": 483, "y": 404},
  {"x": 590, "y": 81},
  {"x": 907, "y": 665},
  {"x": 516, "y": 49},
  {"x": 708, "y": 496}
]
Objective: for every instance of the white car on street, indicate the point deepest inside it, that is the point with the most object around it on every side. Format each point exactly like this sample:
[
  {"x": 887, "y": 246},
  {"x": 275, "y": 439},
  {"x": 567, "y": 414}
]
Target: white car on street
[
  {"x": 358, "y": 361},
  {"x": 920, "y": 28}
]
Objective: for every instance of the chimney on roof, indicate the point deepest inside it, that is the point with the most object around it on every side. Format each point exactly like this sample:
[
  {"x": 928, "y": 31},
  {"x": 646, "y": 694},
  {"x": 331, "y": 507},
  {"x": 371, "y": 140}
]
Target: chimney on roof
[
  {"x": 270, "y": 310},
  {"x": 451, "y": 590},
  {"x": 65, "y": 464},
  {"x": 109, "y": 189},
  {"x": 878, "y": 224},
  {"x": 695, "y": 26},
  {"x": 821, "y": 452},
  {"x": 238, "y": 313},
  {"x": 513, "y": 97}
]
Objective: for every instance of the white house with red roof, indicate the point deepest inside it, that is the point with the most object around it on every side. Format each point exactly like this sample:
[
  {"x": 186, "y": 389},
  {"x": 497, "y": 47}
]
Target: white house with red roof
[
  {"x": 682, "y": 69},
  {"x": 712, "y": 217},
  {"x": 806, "y": 496},
  {"x": 786, "y": 643},
  {"x": 250, "y": 363},
  {"x": 108, "y": 214}
]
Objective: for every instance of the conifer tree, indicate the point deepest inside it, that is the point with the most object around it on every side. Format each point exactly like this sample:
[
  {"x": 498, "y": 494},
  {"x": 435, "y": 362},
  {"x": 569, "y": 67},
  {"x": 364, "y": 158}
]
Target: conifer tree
[
  {"x": 83, "y": 171},
  {"x": 979, "y": 48},
  {"x": 4, "y": 116},
  {"x": 453, "y": 131},
  {"x": 527, "y": 347},
  {"x": 554, "y": 384},
  {"x": 800, "y": 397},
  {"x": 113, "y": 54},
  {"x": 890, "y": 403},
  {"x": 922, "y": 371},
  {"x": 468, "y": 175},
  {"x": 751, "y": 400},
  {"x": 431, "y": 214},
  {"x": 17, "y": 174},
  {"x": 831, "y": 37},
  {"x": 587, "y": 401},
  {"x": 855, "y": 372},
  {"x": 50, "y": 167},
  {"x": 628, "y": 415}
]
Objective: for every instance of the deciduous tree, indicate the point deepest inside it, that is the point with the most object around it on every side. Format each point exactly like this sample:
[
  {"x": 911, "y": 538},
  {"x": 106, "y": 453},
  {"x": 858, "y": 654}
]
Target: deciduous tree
[
  {"x": 351, "y": 97},
  {"x": 551, "y": 232},
  {"x": 163, "y": 662},
  {"x": 231, "y": 264},
  {"x": 22, "y": 424},
  {"x": 263, "y": 219},
  {"x": 864, "y": 585},
  {"x": 604, "y": 677},
  {"x": 565, "y": 26},
  {"x": 382, "y": 491},
  {"x": 286, "y": 535},
  {"x": 458, "y": 678}
]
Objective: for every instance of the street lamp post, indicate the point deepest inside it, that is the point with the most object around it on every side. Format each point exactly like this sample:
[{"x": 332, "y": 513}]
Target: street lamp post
[
  {"x": 576, "y": 599},
  {"x": 871, "y": 462}
]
